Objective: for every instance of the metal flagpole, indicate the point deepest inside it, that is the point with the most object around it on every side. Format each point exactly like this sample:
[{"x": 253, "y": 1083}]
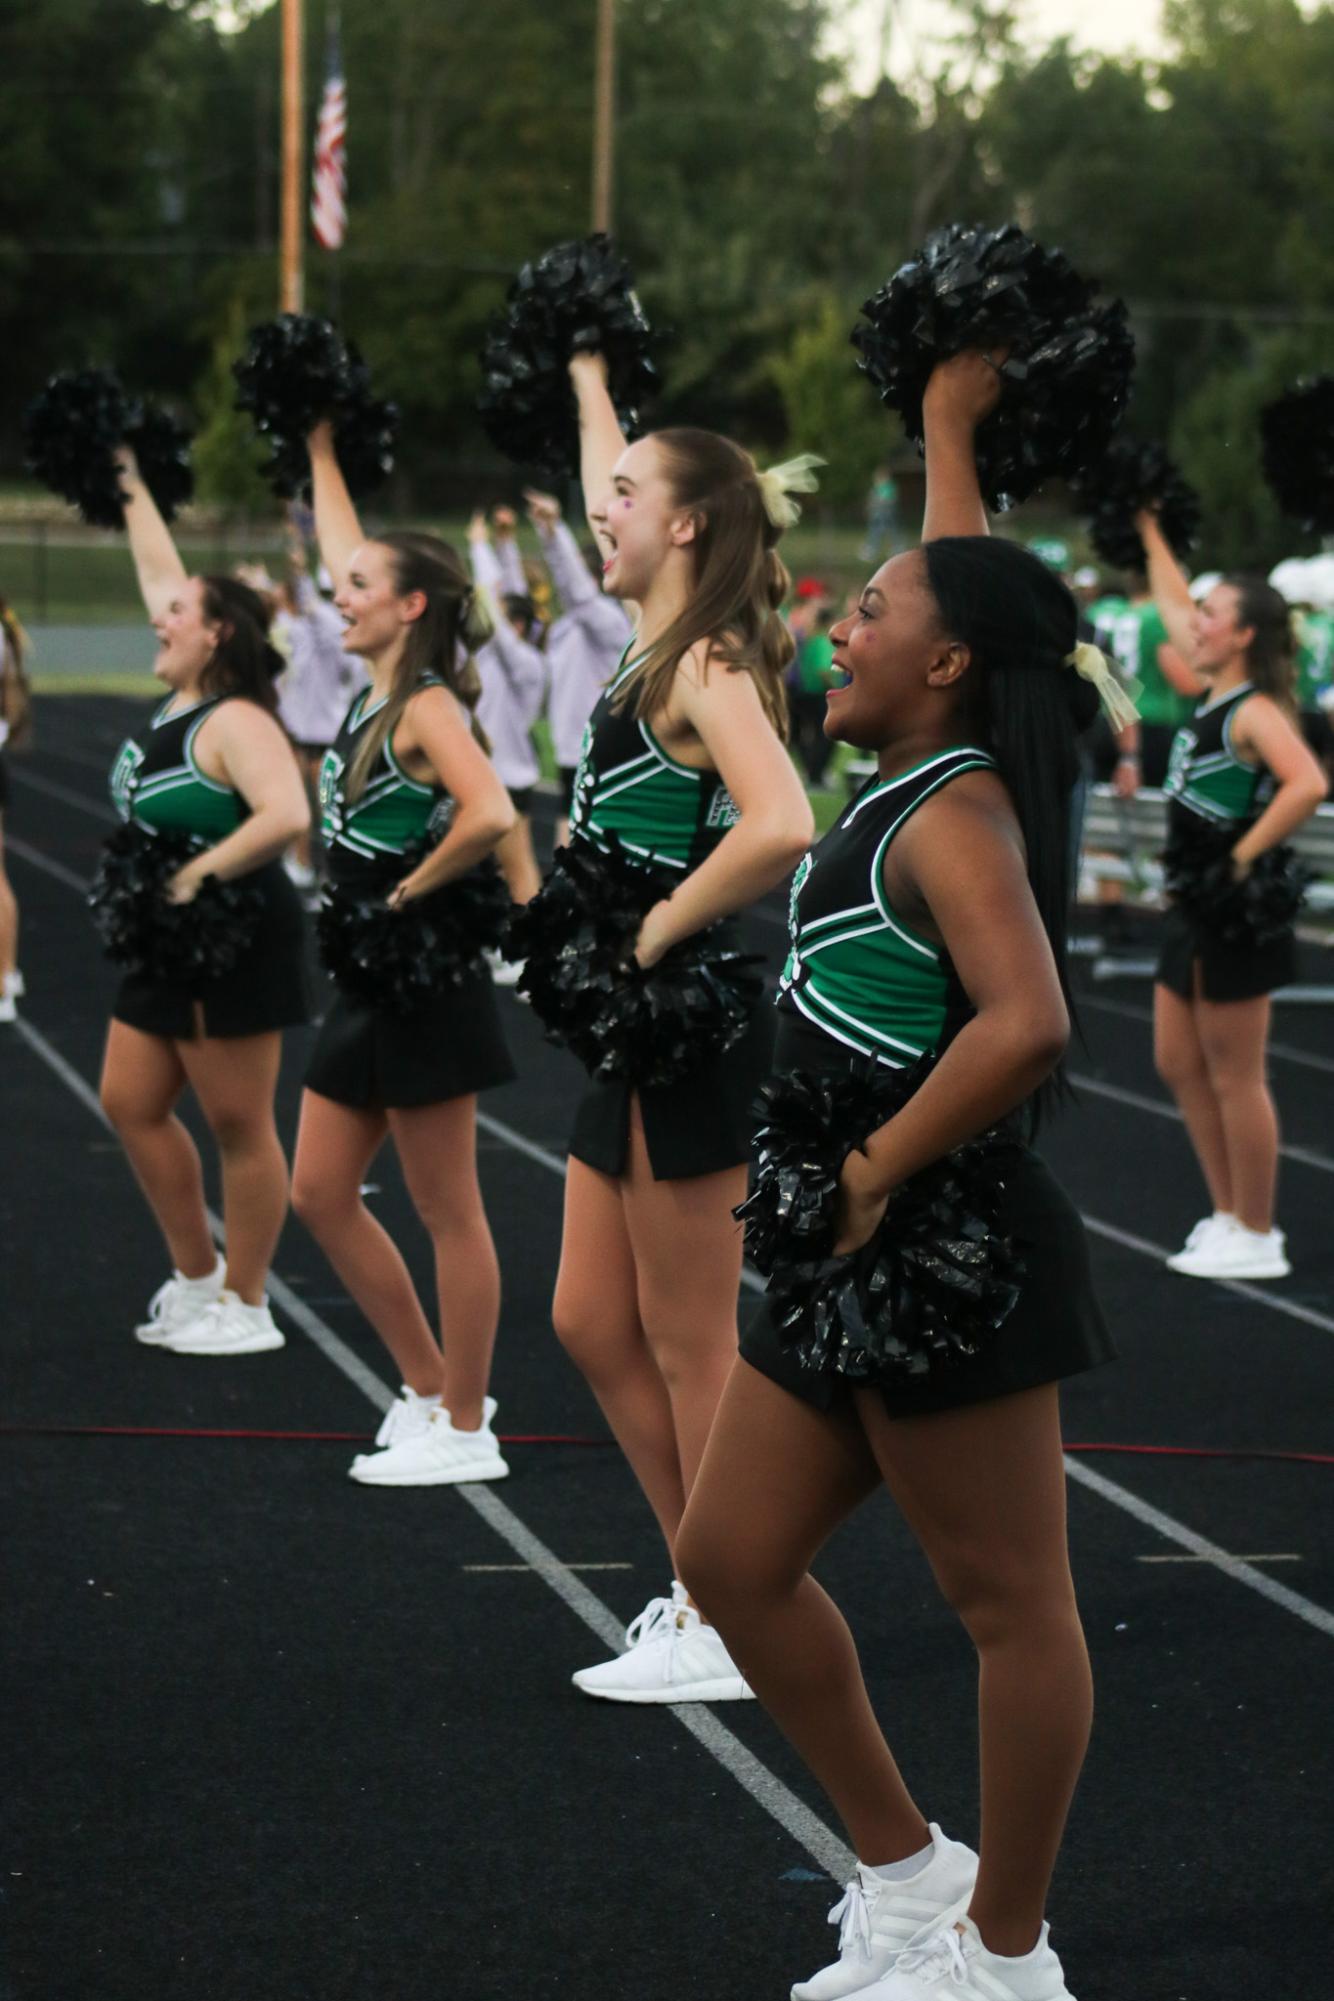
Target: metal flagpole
[
  {"x": 604, "y": 115},
  {"x": 291, "y": 296}
]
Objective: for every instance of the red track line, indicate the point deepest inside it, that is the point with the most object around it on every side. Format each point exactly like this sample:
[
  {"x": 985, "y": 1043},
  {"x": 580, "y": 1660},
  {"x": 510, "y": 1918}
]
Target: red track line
[{"x": 570, "y": 1438}]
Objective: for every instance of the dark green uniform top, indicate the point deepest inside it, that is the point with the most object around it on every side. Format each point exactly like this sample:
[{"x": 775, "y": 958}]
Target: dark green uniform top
[
  {"x": 626, "y": 785},
  {"x": 156, "y": 780},
  {"x": 1205, "y": 776},
  {"x": 856, "y": 969},
  {"x": 393, "y": 810}
]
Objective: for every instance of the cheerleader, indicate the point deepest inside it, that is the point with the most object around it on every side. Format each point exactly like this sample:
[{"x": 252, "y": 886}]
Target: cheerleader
[
  {"x": 684, "y": 769},
  {"x": 407, "y": 768},
  {"x": 928, "y": 927},
  {"x": 1239, "y": 771},
  {"x": 584, "y": 644},
  {"x": 212, "y": 762},
  {"x": 15, "y": 724}
]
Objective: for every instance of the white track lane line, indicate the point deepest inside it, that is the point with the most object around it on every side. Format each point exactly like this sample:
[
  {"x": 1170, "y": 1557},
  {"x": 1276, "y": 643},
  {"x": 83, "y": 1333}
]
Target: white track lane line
[
  {"x": 768, "y": 1791},
  {"x": 1121, "y": 1497},
  {"x": 1139, "y": 1102},
  {"x": 1284, "y": 1051}
]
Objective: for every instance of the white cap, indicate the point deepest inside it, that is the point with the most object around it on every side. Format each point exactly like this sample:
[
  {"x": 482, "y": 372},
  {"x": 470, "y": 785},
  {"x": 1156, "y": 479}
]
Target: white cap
[
  {"x": 1201, "y": 586},
  {"x": 1086, "y": 579}
]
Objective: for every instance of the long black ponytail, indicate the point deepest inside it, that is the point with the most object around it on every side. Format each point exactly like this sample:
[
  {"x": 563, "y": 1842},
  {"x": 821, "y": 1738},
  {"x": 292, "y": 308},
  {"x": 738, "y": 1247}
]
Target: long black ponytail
[{"x": 1020, "y": 625}]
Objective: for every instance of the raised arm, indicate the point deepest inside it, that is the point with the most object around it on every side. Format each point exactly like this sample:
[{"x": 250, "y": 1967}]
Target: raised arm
[
  {"x": 505, "y": 522},
  {"x": 1170, "y": 587},
  {"x": 337, "y": 527},
  {"x": 961, "y": 393},
  {"x": 157, "y": 564},
  {"x": 522, "y": 664},
  {"x": 601, "y": 439}
]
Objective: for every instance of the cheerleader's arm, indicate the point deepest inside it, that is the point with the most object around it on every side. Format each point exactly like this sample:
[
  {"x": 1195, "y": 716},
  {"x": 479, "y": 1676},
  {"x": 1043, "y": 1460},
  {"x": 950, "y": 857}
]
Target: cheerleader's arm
[
  {"x": 601, "y": 439},
  {"x": 436, "y": 727},
  {"x": 157, "y": 563},
  {"x": 337, "y": 523},
  {"x": 1170, "y": 587},
  {"x": 962, "y": 392},
  {"x": 241, "y": 746},
  {"x": 1262, "y": 732}
]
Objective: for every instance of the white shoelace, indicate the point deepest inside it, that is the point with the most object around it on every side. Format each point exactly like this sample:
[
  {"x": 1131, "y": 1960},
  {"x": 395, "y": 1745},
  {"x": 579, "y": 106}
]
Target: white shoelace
[
  {"x": 157, "y": 1305},
  {"x": 658, "y": 1612},
  {"x": 852, "y": 1915},
  {"x": 942, "y": 1952}
]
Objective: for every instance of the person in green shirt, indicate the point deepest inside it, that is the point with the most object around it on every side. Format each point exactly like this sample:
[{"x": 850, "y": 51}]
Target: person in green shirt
[
  {"x": 1131, "y": 629},
  {"x": 812, "y": 676}
]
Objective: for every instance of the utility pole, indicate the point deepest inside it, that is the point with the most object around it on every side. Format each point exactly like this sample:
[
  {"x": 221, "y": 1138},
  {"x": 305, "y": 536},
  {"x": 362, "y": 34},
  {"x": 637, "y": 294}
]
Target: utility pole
[
  {"x": 604, "y": 115},
  {"x": 291, "y": 293}
]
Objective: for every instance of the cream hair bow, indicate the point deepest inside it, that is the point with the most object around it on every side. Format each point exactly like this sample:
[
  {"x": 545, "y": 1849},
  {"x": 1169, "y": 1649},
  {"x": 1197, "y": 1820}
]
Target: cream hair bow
[
  {"x": 1091, "y": 662},
  {"x": 779, "y": 483}
]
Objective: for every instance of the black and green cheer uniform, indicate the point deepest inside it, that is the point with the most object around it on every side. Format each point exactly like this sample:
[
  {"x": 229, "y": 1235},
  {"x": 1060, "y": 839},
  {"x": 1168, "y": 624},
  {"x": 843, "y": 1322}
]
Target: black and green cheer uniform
[
  {"x": 366, "y": 1056},
  {"x": 1207, "y": 782},
  {"x": 157, "y": 783},
  {"x": 671, "y": 818},
  {"x": 860, "y": 981}
]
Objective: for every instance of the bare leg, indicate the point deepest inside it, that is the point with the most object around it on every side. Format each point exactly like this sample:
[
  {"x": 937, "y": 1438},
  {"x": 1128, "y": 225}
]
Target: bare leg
[
  {"x": 1180, "y": 1061},
  {"x": 142, "y": 1078},
  {"x": 687, "y": 1252},
  {"x": 983, "y": 1490},
  {"x": 234, "y": 1081},
  {"x": 596, "y": 1317},
  {"x": 437, "y": 1145},
  {"x": 1233, "y": 1035},
  {"x": 9, "y": 916},
  {"x": 335, "y": 1145},
  {"x": 514, "y": 852},
  {"x": 778, "y": 1477}
]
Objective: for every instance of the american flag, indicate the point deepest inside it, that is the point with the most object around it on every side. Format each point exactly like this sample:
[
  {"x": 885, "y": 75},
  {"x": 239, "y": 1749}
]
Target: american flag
[{"x": 328, "y": 200}]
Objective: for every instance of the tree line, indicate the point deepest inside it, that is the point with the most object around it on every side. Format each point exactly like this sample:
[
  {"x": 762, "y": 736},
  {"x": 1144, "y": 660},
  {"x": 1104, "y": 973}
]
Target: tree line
[{"x": 759, "y": 194}]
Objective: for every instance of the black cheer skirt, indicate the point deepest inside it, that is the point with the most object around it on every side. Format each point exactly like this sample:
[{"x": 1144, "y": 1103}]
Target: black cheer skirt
[
  {"x": 1227, "y": 972},
  {"x": 369, "y": 1057},
  {"x": 268, "y": 987},
  {"x": 1055, "y": 1328},
  {"x": 699, "y": 1125}
]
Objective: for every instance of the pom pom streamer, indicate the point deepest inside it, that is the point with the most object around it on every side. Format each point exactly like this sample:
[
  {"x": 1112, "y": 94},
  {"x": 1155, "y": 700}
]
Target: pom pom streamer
[
  {"x": 936, "y": 1280},
  {"x": 297, "y": 371},
  {"x": 577, "y": 940},
  {"x": 1128, "y": 477},
  {"x": 1067, "y": 377},
  {"x": 73, "y": 430},
  {"x": 1297, "y": 452},
  {"x": 400, "y": 958},
  {"x": 1258, "y": 909},
  {"x": 182, "y": 943},
  {"x": 576, "y": 298}
]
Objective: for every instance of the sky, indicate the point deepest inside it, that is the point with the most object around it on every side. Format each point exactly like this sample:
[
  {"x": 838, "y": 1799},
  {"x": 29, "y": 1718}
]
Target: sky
[{"x": 1114, "y": 25}]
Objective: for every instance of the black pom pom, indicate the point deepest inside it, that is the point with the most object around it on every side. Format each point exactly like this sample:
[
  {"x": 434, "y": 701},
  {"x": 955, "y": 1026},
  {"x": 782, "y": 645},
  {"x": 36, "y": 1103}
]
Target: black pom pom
[
  {"x": 71, "y": 431},
  {"x": 1130, "y": 476},
  {"x": 579, "y": 297},
  {"x": 577, "y": 936},
  {"x": 1067, "y": 378},
  {"x": 1258, "y": 909},
  {"x": 1297, "y": 452},
  {"x": 296, "y": 371},
  {"x": 162, "y": 448},
  {"x": 937, "y": 1278},
  {"x": 185, "y": 943},
  {"x": 400, "y": 959}
]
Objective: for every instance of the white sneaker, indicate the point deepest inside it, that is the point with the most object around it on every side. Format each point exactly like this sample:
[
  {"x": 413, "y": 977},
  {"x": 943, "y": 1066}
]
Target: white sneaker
[
  {"x": 676, "y": 1658},
  {"x": 878, "y": 1917},
  {"x": 954, "y": 1965},
  {"x": 1236, "y": 1252},
  {"x": 227, "y": 1327},
  {"x": 8, "y": 1008},
  {"x": 436, "y": 1456},
  {"x": 1203, "y": 1233},
  {"x": 15, "y": 986},
  {"x": 407, "y": 1417},
  {"x": 178, "y": 1303}
]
